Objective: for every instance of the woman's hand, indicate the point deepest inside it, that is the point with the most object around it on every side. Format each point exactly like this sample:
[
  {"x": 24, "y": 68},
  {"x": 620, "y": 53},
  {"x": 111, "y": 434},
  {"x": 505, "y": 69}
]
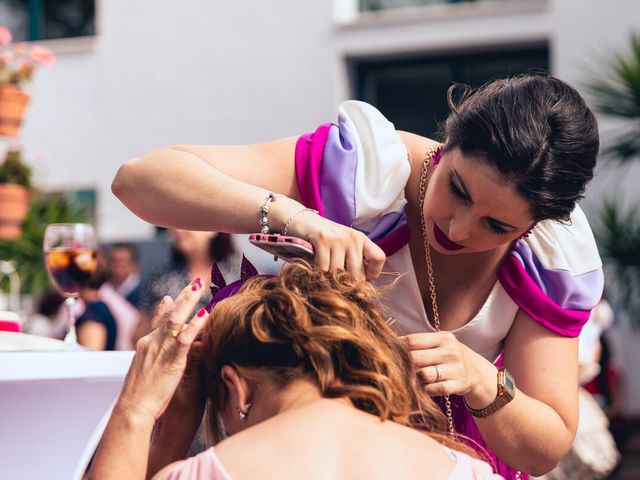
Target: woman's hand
[
  {"x": 337, "y": 246},
  {"x": 446, "y": 366},
  {"x": 161, "y": 356}
]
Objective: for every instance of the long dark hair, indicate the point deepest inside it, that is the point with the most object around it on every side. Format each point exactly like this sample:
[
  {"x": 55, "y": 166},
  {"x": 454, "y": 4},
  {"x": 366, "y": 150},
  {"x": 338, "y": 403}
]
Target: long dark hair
[
  {"x": 220, "y": 247},
  {"x": 536, "y": 130}
]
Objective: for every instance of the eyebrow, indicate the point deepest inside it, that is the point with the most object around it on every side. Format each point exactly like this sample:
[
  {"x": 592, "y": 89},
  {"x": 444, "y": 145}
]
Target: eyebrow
[{"x": 466, "y": 192}]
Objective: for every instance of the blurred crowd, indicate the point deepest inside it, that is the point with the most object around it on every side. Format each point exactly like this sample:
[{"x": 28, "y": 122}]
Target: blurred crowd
[{"x": 115, "y": 307}]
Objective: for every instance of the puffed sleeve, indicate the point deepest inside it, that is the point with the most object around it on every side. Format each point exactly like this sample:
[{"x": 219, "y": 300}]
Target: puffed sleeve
[
  {"x": 354, "y": 173},
  {"x": 555, "y": 275}
]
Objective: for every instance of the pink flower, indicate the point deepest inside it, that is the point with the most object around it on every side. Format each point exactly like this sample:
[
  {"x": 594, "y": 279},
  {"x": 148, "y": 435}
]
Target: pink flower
[
  {"x": 5, "y": 36},
  {"x": 6, "y": 57},
  {"x": 19, "y": 48},
  {"x": 42, "y": 55}
]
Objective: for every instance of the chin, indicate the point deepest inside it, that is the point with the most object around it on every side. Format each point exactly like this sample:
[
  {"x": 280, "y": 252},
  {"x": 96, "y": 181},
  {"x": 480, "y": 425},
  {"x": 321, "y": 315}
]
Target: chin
[{"x": 443, "y": 251}]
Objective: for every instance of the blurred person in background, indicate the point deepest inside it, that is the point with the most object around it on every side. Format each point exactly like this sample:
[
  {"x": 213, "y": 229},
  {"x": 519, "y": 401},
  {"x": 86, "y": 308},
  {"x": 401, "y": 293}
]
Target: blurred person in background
[
  {"x": 124, "y": 276},
  {"x": 594, "y": 453},
  {"x": 192, "y": 255},
  {"x": 111, "y": 318},
  {"x": 96, "y": 327}
]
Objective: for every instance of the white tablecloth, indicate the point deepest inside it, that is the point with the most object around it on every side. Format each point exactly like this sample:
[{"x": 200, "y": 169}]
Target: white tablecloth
[{"x": 53, "y": 409}]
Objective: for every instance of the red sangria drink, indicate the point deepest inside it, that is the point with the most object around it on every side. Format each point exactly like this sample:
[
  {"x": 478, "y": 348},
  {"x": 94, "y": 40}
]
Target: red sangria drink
[
  {"x": 70, "y": 269},
  {"x": 70, "y": 258}
]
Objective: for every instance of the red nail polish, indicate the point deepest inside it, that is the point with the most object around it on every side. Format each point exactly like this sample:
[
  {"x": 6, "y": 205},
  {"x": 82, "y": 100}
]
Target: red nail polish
[
  {"x": 196, "y": 284},
  {"x": 201, "y": 312}
]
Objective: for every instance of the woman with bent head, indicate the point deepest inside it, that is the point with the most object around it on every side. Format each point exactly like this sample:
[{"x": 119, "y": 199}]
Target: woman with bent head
[
  {"x": 499, "y": 266},
  {"x": 302, "y": 377}
]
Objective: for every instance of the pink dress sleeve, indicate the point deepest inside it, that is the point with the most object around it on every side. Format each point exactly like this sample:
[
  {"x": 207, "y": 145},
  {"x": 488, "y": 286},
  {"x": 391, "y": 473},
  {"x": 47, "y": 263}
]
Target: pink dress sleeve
[
  {"x": 204, "y": 465},
  {"x": 555, "y": 275},
  {"x": 468, "y": 468},
  {"x": 354, "y": 173}
]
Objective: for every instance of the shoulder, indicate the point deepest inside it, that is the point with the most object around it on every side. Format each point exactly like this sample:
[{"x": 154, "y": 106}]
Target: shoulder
[
  {"x": 417, "y": 145},
  {"x": 97, "y": 312},
  {"x": 555, "y": 275},
  {"x": 204, "y": 465}
]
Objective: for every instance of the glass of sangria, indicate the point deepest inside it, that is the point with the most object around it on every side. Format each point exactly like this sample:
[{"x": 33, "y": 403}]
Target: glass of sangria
[{"x": 70, "y": 251}]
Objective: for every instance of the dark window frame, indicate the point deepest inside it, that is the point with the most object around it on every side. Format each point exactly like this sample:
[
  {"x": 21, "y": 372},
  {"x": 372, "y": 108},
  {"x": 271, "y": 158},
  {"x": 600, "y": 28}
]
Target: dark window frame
[
  {"x": 35, "y": 12},
  {"x": 365, "y": 71}
]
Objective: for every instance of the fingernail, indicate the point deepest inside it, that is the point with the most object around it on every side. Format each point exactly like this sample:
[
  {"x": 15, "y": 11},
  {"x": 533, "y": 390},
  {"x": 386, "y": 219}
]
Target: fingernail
[
  {"x": 201, "y": 312},
  {"x": 196, "y": 284}
]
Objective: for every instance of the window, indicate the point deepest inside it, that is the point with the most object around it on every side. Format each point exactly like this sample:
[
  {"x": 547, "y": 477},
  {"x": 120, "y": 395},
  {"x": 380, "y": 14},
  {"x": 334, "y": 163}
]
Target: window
[
  {"x": 367, "y": 5},
  {"x": 31, "y": 20},
  {"x": 412, "y": 91}
]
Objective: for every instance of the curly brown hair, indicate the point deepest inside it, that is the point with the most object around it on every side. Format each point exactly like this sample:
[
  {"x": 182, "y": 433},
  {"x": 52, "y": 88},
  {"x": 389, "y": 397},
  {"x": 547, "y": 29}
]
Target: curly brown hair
[{"x": 327, "y": 328}]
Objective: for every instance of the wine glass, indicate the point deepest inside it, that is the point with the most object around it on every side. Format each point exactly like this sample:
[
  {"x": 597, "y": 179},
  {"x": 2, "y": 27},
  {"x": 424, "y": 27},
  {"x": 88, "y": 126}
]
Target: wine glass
[{"x": 70, "y": 256}]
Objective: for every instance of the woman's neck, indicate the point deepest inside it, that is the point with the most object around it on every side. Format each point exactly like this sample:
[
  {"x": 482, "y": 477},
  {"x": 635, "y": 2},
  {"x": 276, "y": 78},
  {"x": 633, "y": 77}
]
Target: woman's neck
[
  {"x": 199, "y": 267},
  {"x": 298, "y": 394}
]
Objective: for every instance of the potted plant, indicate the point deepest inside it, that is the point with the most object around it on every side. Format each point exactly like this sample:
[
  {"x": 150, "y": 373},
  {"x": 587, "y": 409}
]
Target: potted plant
[
  {"x": 17, "y": 65},
  {"x": 26, "y": 252},
  {"x": 616, "y": 94},
  {"x": 15, "y": 184}
]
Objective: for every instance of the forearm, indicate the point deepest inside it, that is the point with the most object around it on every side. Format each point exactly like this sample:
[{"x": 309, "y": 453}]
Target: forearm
[
  {"x": 124, "y": 448},
  {"x": 173, "y": 434},
  {"x": 527, "y": 434},
  {"x": 174, "y": 187}
]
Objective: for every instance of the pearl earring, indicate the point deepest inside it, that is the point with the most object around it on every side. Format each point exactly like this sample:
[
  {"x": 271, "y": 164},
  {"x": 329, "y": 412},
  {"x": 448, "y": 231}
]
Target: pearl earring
[{"x": 241, "y": 414}]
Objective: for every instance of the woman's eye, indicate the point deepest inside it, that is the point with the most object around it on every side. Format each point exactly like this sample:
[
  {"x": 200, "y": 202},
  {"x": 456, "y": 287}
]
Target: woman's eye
[
  {"x": 456, "y": 191},
  {"x": 497, "y": 228}
]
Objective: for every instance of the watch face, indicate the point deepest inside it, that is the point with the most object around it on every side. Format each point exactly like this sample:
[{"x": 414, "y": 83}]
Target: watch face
[{"x": 508, "y": 383}]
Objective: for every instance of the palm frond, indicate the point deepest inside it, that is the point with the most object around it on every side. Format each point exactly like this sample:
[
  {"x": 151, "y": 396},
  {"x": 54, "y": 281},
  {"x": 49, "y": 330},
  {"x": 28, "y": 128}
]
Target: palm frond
[
  {"x": 617, "y": 94},
  {"x": 618, "y": 236}
]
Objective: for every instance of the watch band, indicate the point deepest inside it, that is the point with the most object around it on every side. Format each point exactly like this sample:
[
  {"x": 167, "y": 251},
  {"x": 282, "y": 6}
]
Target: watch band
[{"x": 506, "y": 393}]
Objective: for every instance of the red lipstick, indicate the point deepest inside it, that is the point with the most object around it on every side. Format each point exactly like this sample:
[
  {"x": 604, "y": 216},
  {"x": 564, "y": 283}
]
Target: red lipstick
[{"x": 443, "y": 240}]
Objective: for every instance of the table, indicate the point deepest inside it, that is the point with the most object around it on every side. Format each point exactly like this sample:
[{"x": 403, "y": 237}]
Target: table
[{"x": 53, "y": 408}]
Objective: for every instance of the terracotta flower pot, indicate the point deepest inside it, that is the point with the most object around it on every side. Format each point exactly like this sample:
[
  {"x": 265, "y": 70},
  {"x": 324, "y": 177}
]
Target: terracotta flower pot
[
  {"x": 12, "y": 105},
  {"x": 14, "y": 205}
]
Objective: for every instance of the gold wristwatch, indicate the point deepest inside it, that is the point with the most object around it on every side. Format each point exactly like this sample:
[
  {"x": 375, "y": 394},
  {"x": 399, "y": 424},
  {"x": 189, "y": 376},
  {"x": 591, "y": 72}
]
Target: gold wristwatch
[{"x": 506, "y": 392}]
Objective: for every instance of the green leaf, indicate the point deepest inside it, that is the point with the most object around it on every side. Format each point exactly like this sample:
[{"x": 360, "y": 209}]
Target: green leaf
[
  {"x": 26, "y": 252},
  {"x": 618, "y": 236},
  {"x": 617, "y": 93}
]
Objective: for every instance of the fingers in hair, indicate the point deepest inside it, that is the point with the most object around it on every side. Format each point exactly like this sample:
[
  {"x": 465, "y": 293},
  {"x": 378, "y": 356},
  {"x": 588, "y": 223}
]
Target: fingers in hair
[
  {"x": 184, "y": 304},
  {"x": 191, "y": 330}
]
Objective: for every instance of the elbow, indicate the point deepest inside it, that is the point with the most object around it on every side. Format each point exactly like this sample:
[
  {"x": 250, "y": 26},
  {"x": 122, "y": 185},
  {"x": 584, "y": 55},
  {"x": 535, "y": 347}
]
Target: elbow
[
  {"x": 542, "y": 468},
  {"x": 545, "y": 461},
  {"x": 122, "y": 183}
]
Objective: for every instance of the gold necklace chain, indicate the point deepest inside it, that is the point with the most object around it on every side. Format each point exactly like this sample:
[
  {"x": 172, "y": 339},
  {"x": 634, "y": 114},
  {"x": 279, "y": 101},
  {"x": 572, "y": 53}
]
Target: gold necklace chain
[
  {"x": 432, "y": 284},
  {"x": 428, "y": 157}
]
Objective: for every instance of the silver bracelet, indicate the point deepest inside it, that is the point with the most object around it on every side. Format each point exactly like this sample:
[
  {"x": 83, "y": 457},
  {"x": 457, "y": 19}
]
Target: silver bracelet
[
  {"x": 264, "y": 212},
  {"x": 286, "y": 224}
]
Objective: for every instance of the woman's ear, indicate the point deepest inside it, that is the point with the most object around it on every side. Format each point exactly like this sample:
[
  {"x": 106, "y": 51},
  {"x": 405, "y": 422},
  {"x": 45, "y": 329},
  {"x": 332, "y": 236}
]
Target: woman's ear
[{"x": 240, "y": 391}]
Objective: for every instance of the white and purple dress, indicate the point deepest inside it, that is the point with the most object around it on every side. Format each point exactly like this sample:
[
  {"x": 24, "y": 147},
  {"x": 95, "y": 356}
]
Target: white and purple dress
[{"x": 354, "y": 173}]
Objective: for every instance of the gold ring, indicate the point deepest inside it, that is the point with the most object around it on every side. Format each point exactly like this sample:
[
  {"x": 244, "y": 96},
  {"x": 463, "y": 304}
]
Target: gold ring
[
  {"x": 437, "y": 374},
  {"x": 172, "y": 332}
]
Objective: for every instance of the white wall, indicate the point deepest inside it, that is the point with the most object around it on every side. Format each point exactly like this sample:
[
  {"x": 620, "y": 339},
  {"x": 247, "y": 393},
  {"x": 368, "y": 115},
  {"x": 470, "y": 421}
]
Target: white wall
[
  {"x": 166, "y": 72},
  {"x": 219, "y": 71}
]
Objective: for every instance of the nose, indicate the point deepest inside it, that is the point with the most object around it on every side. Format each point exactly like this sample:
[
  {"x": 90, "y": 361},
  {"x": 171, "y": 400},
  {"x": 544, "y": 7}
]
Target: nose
[{"x": 460, "y": 227}]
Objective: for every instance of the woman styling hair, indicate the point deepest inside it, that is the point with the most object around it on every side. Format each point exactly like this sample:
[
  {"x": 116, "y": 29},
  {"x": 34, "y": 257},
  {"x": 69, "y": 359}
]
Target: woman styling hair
[
  {"x": 500, "y": 265},
  {"x": 303, "y": 378}
]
